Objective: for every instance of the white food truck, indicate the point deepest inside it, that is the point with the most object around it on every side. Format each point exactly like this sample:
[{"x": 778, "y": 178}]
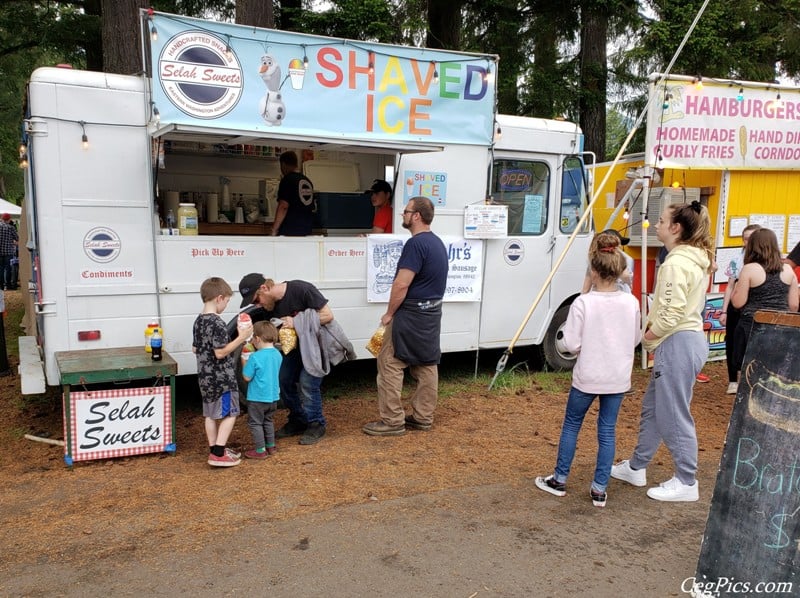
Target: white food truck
[{"x": 111, "y": 155}]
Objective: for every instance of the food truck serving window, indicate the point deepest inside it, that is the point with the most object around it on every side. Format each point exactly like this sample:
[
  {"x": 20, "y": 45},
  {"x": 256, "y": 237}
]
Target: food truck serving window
[{"x": 523, "y": 186}]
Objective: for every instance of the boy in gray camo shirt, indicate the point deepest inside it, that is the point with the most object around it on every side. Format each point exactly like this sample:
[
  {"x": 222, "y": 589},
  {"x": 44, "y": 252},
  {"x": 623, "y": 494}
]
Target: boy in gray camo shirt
[{"x": 216, "y": 372}]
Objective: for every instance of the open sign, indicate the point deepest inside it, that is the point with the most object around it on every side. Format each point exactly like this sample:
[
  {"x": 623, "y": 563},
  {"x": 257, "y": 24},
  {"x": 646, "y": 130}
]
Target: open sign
[{"x": 515, "y": 179}]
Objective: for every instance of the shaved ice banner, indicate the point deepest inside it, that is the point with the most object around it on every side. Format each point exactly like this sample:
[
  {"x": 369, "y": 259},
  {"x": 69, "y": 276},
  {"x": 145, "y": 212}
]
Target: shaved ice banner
[{"x": 262, "y": 80}]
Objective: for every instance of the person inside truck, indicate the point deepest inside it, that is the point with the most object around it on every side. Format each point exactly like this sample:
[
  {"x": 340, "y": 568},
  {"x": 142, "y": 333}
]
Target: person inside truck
[
  {"x": 294, "y": 214},
  {"x": 381, "y": 197}
]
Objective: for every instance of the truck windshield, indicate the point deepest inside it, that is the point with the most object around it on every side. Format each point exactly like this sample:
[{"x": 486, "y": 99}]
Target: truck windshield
[
  {"x": 523, "y": 186},
  {"x": 573, "y": 195}
]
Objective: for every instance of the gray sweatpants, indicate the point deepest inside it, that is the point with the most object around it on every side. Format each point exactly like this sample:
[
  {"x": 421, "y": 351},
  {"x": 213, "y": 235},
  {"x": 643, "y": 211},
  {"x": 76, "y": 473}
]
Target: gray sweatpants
[{"x": 665, "y": 407}]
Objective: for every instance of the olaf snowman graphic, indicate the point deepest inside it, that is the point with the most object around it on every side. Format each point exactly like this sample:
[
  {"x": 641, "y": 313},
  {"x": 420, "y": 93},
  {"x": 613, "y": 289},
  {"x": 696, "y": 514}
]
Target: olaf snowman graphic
[{"x": 271, "y": 106}]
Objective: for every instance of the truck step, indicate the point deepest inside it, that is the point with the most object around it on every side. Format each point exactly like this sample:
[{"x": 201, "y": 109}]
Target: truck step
[{"x": 31, "y": 367}]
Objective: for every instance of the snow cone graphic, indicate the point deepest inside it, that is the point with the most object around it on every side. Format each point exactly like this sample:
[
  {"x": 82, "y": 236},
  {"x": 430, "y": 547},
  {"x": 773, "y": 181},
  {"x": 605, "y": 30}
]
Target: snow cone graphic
[{"x": 297, "y": 72}]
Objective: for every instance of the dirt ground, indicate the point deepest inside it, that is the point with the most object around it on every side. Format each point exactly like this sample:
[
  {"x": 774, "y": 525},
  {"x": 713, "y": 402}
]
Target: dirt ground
[{"x": 151, "y": 507}]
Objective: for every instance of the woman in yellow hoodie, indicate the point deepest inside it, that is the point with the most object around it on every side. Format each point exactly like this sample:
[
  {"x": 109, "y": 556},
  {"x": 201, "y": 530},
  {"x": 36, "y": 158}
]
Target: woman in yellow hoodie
[{"x": 675, "y": 333}]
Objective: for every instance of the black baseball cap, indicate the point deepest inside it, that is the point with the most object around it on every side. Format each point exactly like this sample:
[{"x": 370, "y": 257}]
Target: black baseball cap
[
  {"x": 380, "y": 185},
  {"x": 622, "y": 240},
  {"x": 248, "y": 287}
]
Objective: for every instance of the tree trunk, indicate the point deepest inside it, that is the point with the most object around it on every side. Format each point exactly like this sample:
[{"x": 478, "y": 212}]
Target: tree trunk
[
  {"x": 545, "y": 67},
  {"x": 444, "y": 24},
  {"x": 93, "y": 41},
  {"x": 593, "y": 75},
  {"x": 122, "y": 52},
  {"x": 257, "y": 13},
  {"x": 290, "y": 14}
]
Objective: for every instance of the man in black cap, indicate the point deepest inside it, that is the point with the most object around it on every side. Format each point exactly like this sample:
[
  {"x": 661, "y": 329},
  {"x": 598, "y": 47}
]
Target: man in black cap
[
  {"x": 381, "y": 198},
  {"x": 300, "y": 390}
]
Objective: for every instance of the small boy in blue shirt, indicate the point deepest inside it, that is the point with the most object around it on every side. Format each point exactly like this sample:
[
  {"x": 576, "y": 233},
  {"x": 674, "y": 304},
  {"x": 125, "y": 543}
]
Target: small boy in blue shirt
[{"x": 263, "y": 390}]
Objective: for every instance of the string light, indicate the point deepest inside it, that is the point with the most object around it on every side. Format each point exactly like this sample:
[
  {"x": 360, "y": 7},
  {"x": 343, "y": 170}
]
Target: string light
[
  {"x": 698, "y": 83},
  {"x": 778, "y": 101},
  {"x": 435, "y": 72},
  {"x": 153, "y": 30},
  {"x": 627, "y": 214},
  {"x": 498, "y": 132},
  {"x": 22, "y": 148},
  {"x": 84, "y": 138},
  {"x": 740, "y": 95},
  {"x": 305, "y": 57},
  {"x": 676, "y": 185},
  {"x": 645, "y": 223},
  {"x": 228, "y": 51},
  {"x": 489, "y": 75},
  {"x": 156, "y": 114},
  {"x": 371, "y": 63},
  {"x": 667, "y": 98},
  {"x": 23, "y": 161}
]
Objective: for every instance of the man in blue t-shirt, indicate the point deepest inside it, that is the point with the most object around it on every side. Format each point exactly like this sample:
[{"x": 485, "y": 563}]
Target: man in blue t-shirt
[
  {"x": 413, "y": 321},
  {"x": 294, "y": 215}
]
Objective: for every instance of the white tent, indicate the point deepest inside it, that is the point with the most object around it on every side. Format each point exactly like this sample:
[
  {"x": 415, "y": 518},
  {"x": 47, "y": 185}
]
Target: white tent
[{"x": 6, "y": 207}]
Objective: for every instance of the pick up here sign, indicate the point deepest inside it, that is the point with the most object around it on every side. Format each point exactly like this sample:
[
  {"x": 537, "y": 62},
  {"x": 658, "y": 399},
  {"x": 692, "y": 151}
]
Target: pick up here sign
[{"x": 118, "y": 423}]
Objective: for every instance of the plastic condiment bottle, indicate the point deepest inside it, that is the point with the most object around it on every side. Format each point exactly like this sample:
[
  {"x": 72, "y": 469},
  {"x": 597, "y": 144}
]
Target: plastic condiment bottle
[
  {"x": 155, "y": 345},
  {"x": 170, "y": 220},
  {"x": 187, "y": 219},
  {"x": 148, "y": 332}
]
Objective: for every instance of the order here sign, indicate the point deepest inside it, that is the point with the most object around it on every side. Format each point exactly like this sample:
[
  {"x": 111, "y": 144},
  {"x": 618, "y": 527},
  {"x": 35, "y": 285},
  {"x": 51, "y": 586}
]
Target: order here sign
[{"x": 119, "y": 423}]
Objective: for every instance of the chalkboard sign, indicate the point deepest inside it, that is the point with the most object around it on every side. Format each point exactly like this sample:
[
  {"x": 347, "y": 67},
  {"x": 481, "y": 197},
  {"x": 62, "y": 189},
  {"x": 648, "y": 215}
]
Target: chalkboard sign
[{"x": 752, "y": 534}]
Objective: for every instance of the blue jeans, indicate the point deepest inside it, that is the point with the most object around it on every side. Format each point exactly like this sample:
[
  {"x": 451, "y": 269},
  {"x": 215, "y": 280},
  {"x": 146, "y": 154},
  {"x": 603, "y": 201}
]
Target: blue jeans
[
  {"x": 577, "y": 406},
  {"x": 300, "y": 391}
]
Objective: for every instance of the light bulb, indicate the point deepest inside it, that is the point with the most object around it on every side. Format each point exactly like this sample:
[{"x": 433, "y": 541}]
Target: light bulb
[
  {"x": 84, "y": 141},
  {"x": 740, "y": 95},
  {"x": 23, "y": 162},
  {"x": 371, "y": 67},
  {"x": 676, "y": 185},
  {"x": 626, "y": 215},
  {"x": 22, "y": 148},
  {"x": 156, "y": 114},
  {"x": 153, "y": 33},
  {"x": 305, "y": 61},
  {"x": 228, "y": 52},
  {"x": 698, "y": 83},
  {"x": 645, "y": 223}
]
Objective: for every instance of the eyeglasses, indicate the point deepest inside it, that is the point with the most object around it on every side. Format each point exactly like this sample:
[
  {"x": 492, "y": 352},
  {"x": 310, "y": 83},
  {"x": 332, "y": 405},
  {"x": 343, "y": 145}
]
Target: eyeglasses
[{"x": 409, "y": 212}]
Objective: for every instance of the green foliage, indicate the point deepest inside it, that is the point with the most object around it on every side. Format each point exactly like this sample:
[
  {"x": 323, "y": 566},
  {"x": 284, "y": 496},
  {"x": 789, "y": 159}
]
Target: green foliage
[{"x": 367, "y": 20}]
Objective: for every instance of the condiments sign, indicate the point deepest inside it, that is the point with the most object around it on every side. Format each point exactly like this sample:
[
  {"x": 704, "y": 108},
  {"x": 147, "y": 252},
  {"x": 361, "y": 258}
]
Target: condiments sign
[{"x": 119, "y": 423}]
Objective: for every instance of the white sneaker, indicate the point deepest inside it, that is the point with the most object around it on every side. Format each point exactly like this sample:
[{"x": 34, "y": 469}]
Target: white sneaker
[
  {"x": 635, "y": 477},
  {"x": 732, "y": 388},
  {"x": 673, "y": 490}
]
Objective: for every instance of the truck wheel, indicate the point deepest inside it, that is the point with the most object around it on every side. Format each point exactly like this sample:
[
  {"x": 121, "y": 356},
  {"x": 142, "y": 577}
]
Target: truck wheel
[{"x": 558, "y": 359}]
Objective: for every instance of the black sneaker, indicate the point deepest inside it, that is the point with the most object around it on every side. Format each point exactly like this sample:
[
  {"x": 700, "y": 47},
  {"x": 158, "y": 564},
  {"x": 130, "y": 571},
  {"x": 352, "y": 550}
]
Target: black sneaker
[
  {"x": 290, "y": 429},
  {"x": 598, "y": 498},
  {"x": 313, "y": 434},
  {"x": 550, "y": 485}
]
